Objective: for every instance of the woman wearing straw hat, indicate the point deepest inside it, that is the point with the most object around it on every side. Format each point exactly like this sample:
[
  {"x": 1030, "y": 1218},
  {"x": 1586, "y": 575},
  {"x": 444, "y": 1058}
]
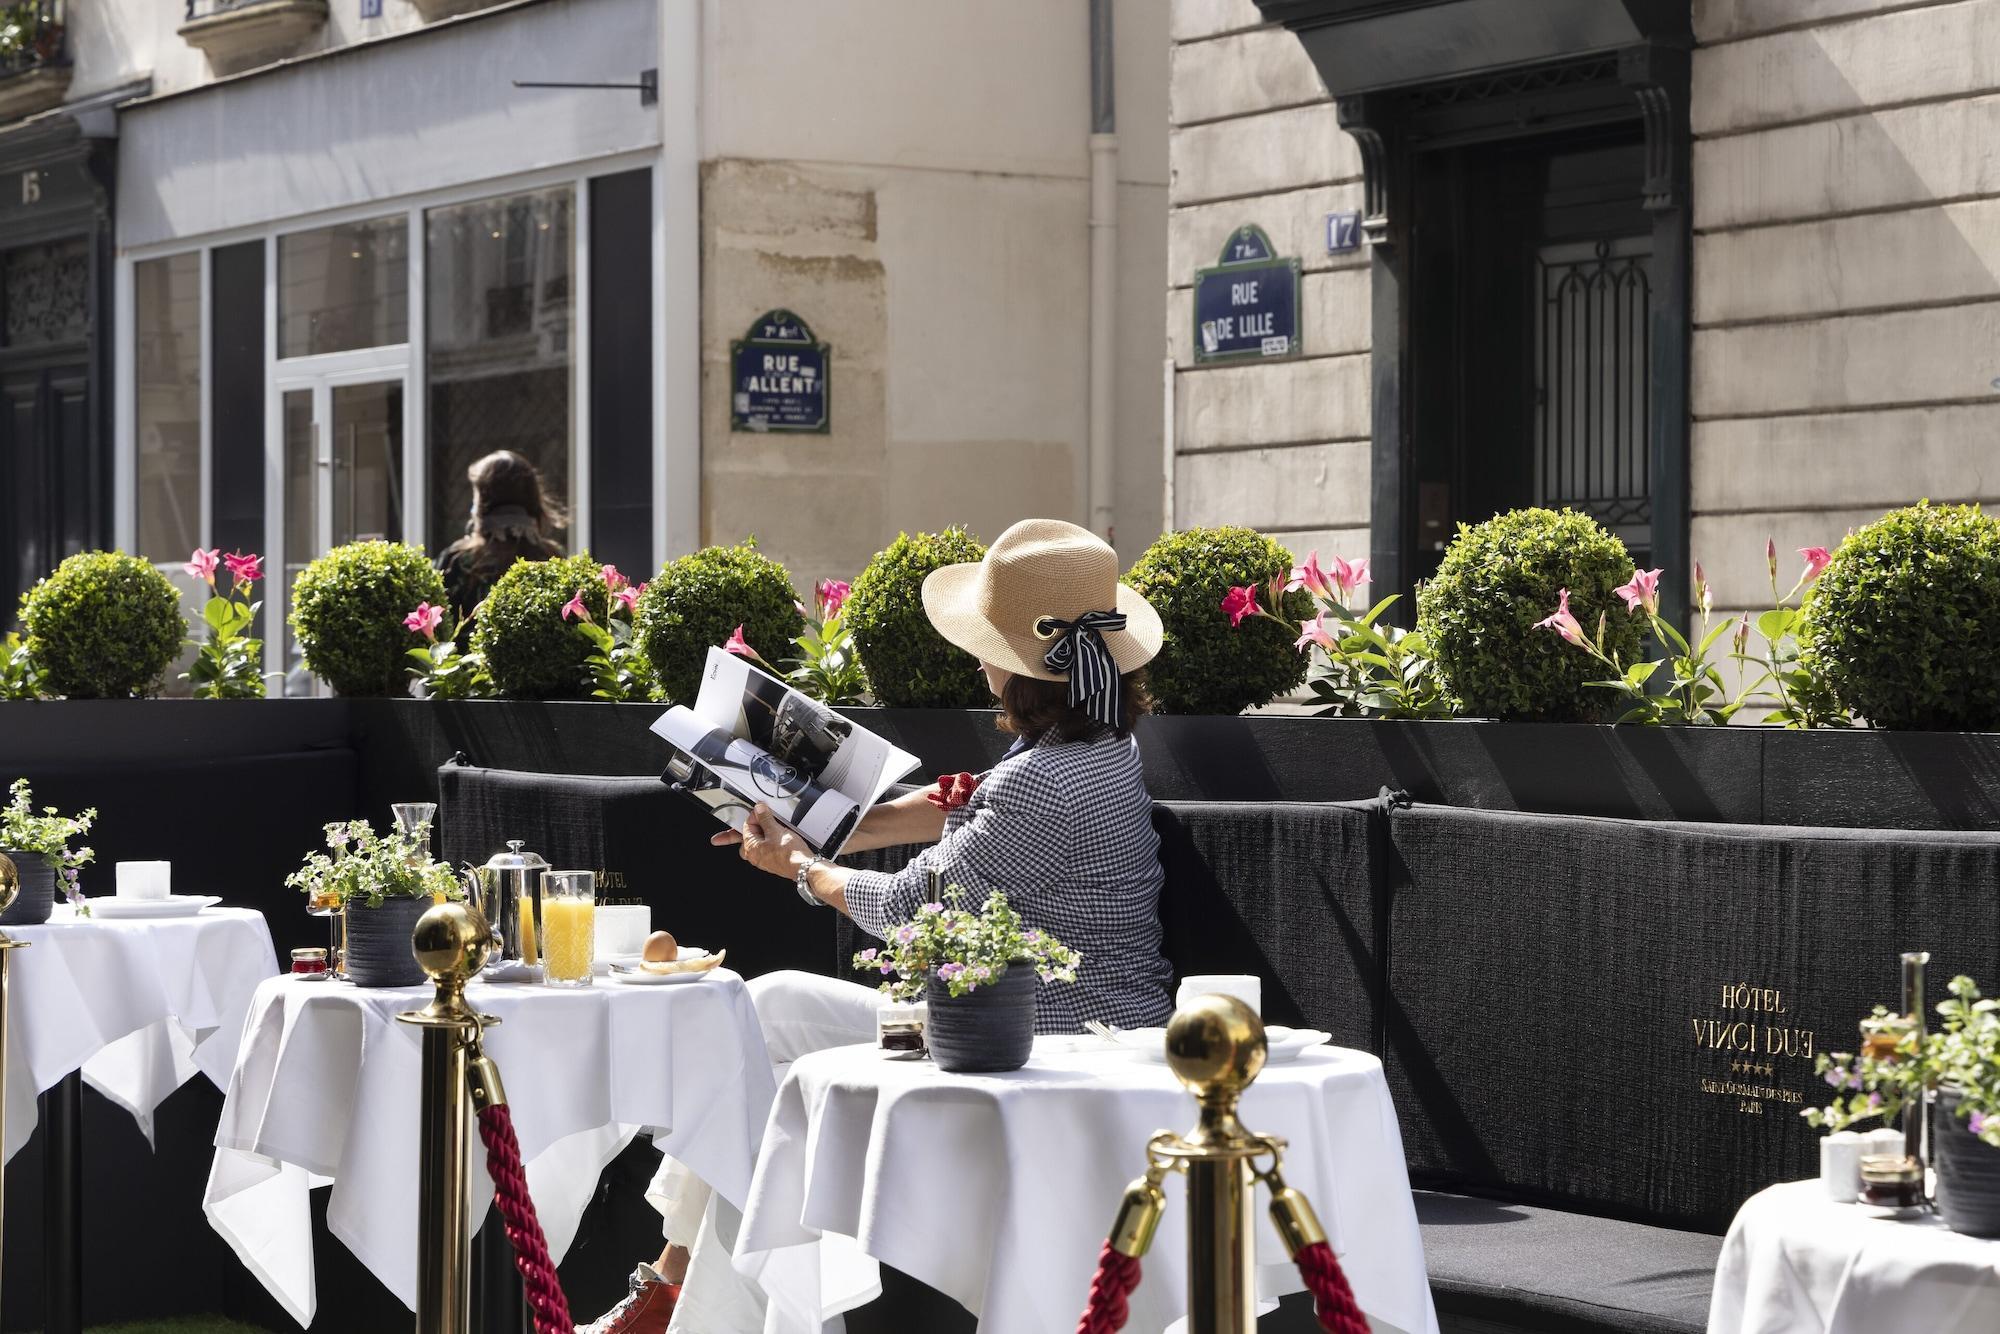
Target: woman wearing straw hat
[{"x": 1062, "y": 824}]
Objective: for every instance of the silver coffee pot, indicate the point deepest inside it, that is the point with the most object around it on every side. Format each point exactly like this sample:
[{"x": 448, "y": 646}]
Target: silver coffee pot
[{"x": 510, "y": 894}]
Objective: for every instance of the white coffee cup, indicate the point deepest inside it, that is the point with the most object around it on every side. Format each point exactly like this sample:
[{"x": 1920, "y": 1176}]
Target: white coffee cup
[
  {"x": 620, "y": 929},
  {"x": 144, "y": 880},
  {"x": 1246, "y": 987},
  {"x": 1840, "y": 1165}
]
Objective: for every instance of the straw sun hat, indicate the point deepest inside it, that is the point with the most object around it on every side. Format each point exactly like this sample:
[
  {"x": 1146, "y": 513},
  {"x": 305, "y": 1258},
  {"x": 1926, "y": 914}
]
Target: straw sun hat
[{"x": 1038, "y": 579}]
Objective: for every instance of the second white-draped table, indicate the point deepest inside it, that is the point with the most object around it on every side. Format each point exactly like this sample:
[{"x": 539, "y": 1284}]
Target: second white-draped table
[
  {"x": 998, "y": 1189},
  {"x": 325, "y": 1090}
]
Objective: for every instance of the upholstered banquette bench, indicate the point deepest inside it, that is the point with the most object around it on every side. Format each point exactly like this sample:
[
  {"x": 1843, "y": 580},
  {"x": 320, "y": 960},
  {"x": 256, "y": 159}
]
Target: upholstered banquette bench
[{"x": 1599, "y": 1033}]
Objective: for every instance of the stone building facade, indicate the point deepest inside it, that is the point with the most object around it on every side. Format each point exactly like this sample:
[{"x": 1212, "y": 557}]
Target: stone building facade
[{"x": 1841, "y": 299}]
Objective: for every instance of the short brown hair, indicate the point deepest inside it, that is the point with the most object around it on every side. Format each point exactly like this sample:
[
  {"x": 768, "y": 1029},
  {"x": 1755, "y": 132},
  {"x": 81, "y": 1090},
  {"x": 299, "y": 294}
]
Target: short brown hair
[{"x": 1034, "y": 709}]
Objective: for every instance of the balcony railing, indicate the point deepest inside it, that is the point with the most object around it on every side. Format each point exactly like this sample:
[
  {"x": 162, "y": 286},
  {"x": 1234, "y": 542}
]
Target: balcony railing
[
  {"x": 201, "y": 9},
  {"x": 31, "y": 36}
]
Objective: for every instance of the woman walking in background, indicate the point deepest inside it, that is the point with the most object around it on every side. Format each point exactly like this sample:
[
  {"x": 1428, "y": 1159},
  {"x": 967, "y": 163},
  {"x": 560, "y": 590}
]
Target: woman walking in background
[{"x": 513, "y": 518}]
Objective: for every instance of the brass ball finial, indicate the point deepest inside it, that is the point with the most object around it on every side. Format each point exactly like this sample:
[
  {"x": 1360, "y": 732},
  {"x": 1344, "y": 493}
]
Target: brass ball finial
[
  {"x": 450, "y": 942},
  {"x": 1215, "y": 1045},
  {"x": 10, "y": 882}
]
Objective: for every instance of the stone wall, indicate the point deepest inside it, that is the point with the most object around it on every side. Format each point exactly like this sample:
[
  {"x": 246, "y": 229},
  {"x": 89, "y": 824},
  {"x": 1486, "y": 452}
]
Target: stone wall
[
  {"x": 1280, "y": 446},
  {"x": 1847, "y": 242}
]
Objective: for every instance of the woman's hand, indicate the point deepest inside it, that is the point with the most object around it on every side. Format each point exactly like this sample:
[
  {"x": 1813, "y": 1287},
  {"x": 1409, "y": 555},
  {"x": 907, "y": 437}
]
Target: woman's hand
[{"x": 766, "y": 844}]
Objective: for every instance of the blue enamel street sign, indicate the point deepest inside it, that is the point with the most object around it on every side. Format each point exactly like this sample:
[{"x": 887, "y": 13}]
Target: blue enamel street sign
[
  {"x": 779, "y": 376},
  {"x": 1246, "y": 308}
]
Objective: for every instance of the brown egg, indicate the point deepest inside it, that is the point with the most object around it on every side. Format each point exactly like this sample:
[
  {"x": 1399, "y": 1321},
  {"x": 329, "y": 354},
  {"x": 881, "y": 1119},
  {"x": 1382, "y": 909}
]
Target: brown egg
[{"x": 661, "y": 947}]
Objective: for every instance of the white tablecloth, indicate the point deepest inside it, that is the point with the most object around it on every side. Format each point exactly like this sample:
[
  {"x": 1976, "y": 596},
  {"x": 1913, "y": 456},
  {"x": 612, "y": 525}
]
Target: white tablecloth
[
  {"x": 998, "y": 1189},
  {"x": 1797, "y": 1263},
  {"x": 325, "y": 1089},
  {"x": 138, "y": 1006}
]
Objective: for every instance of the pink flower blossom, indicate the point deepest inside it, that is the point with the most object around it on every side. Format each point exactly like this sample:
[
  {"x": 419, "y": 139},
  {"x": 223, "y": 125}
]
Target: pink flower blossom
[
  {"x": 612, "y": 579},
  {"x": 1563, "y": 622},
  {"x": 832, "y": 594},
  {"x": 1771, "y": 557},
  {"x": 1239, "y": 602},
  {"x": 628, "y": 596},
  {"x": 1311, "y": 577},
  {"x": 1817, "y": 559},
  {"x": 739, "y": 645},
  {"x": 245, "y": 569},
  {"x": 201, "y": 565},
  {"x": 574, "y": 607},
  {"x": 1643, "y": 590},
  {"x": 1741, "y": 638},
  {"x": 424, "y": 620},
  {"x": 1977, "y": 1123},
  {"x": 1351, "y": 576},
  {"x": 1315, "y": 632},
  {"x": 1703, "y": 596}
]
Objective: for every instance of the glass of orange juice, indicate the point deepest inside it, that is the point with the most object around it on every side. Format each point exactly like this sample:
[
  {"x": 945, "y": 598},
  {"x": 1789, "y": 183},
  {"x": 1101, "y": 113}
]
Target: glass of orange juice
[{"x": 569, "y": 925}]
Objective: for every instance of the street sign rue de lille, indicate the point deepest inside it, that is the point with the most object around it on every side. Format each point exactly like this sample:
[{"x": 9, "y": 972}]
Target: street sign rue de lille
[
  {"x": 1246, "y": 308},
  {"x": 778, "y": 377}
]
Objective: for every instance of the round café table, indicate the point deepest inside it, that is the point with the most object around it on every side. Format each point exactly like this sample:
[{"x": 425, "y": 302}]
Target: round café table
[
  {"x": 1795, "y": 1262},
  {"x": 325, "y": 1091},
  {"x": 134, "y": 1008},
  {"x": 998, "y": 1190}
]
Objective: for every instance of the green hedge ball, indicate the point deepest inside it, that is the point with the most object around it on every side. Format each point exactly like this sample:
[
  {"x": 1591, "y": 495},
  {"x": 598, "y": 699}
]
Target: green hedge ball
[
  {"x": 909, "y": 664},
  {"x": 104, "y": 625},
  {"x": 1205, "y": 665},
  {"x": 694, "y": 603},
  {"x": 347, "y": 613}
]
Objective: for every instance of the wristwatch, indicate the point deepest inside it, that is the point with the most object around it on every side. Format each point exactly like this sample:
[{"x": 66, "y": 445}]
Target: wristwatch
[{"x": 802, "y": 882}]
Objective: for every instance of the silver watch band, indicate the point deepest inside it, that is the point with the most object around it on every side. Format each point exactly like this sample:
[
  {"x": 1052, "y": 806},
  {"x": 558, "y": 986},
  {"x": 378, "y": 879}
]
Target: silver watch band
[{"x": 802, "y": 882}]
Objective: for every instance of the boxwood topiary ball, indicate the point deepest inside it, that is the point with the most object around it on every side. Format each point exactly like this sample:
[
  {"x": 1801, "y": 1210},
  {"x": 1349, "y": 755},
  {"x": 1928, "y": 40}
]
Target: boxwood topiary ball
[
  {"x": 1205, "y": 665},
  {"x": 531, "y": 652},
  {"x": 347, "y": 612},
  {"x": 909, "y": 664},
  {"x": 103, "y": 625},
  {"x": 1901, "y": 626},
  {"x": 695, "y": 602},
  {"x": 1500, "y": 577}
]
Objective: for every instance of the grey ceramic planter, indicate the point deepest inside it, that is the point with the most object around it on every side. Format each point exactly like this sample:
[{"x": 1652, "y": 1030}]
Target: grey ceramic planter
[
  {"x": 984, "y": 1031},
  {"x": 378, "y": 942},
  {"x": 37, "y": 898}
]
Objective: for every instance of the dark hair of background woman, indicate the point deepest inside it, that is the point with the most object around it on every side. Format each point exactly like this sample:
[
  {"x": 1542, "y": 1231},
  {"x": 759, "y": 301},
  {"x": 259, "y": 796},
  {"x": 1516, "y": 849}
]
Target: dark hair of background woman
[
  {"x": 1034, "y": 709},
  {"x": 512, "y": 519}
]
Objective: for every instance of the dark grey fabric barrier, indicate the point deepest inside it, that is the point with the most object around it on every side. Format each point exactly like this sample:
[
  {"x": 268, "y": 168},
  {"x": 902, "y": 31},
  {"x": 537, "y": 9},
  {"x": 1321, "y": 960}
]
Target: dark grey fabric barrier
[
  {"x": 1621, "y": 1016},
  {"x": 647, "y": 844}
]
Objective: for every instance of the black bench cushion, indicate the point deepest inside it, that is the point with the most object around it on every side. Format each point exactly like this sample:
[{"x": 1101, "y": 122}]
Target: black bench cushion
[
  {"x": 1516, "y": 1267},
  {"x": 1285, "y": 890},
  {"x": 1559, "y": 1029},
  {"x": 648, "y": 845}
]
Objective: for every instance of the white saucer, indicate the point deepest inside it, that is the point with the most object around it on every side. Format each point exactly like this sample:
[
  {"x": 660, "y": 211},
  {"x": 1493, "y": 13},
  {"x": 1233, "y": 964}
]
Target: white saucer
[
  {"x": 631, "y": 974},
  {"x": 1281, "y": 1044},
  {"x": 111, "y": 908}
]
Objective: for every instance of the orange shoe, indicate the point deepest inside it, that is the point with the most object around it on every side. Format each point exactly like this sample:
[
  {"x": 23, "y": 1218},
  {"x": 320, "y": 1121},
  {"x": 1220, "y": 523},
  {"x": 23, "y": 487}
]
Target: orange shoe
[{"x": 646, "y": 1309}]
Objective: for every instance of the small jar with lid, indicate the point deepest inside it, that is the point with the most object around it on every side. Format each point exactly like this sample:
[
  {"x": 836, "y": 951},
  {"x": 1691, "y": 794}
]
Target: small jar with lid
[
  {"x": 899, "y": 1028},
  {"x": 309, "y": 963},
  {"x": 1892, "y": 1182}
]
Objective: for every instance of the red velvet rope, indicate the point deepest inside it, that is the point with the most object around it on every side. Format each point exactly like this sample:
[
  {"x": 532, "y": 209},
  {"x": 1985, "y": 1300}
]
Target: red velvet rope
[
  {"x": 524, "y": 1230},
  {"x": 1110, "y": 1287},
  {"x": 1333, "y": 1300}
]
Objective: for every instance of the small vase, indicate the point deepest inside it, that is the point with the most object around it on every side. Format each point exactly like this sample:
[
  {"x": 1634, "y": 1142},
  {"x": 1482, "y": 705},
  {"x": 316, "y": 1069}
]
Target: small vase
[
  {"x": 984, "y": 1031},
  {"x": 37, "y": 899},
  {"x": 378, "y": 942},
  {"x": 1968, "y": 1171}
]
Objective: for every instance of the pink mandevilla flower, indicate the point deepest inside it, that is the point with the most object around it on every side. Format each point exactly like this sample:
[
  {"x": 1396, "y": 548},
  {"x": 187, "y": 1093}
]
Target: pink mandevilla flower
[
  {"x": 1642, "y": 591},
  {"x": 1311, "y": 577},
  {"x": 1702, "y": 597},
  {"x": 832, "y": 594},
  {"x": 1817, "y": 559},
  {"x": 1239, "y": 602},
  {"x": 612, "y": 579},
  {"x": 629, "y": 595},
  {"x": 1740, "y": 640},
  {"x": 1351, "y": 576},
  {"x": 1563, "y": 622},
  {"x": 201, "y": 565},
  {"x": 739, "y": 645},
  {"x": 245, "y": 569},
  {"x": 424, "y": 620},
  {"x": 574, "y": 607},
  {"x": 1315, "y": 632}
]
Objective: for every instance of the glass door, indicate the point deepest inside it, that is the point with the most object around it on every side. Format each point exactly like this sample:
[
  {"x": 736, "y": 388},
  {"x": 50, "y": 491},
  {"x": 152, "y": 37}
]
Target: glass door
[{"x": 342, "y": 443}]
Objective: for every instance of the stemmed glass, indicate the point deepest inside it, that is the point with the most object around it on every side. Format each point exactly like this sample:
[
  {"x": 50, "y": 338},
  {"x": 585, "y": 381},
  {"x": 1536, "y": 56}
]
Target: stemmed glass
[
  {"x": 415, "y": 818},
  {"x": 326, "y": 903}
]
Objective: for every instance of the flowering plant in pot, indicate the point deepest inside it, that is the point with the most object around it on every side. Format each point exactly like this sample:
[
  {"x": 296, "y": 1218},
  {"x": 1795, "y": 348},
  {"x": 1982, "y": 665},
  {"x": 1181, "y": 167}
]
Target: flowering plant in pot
[
  {"x": 827, "y": 667},
  {"x": 1959, "y": 1067},
  {"x": 228, "y": 664},
  {"x": 976, "y": 970},
  {"x": 383, "y": 883},
  {"x": 39, "y": 845}
]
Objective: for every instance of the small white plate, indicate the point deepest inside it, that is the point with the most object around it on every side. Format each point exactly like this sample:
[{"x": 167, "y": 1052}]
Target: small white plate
[
  {"x": 1281, "y": 1044},
  {"x": 174, "y": 905},
  {"x": 638, "y": 977}
]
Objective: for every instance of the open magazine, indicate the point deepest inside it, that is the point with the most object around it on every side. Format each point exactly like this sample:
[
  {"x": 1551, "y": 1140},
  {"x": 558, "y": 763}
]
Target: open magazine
[{"x": 751, "y": 738}]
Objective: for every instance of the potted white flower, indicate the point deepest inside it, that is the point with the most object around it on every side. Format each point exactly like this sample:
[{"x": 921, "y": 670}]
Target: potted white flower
[
  {"x": 976, "y": 972},
  {"x": 38, "y": 843},
  {"x": 383, "y": 883}
]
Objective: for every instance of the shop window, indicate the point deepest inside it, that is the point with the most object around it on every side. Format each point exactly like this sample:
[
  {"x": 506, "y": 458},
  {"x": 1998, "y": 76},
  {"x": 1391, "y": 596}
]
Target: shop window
[
  {"x": 499, "y": 311},
  {"x": 344, "y": 287},
  {"x": 167, "y": 410}
]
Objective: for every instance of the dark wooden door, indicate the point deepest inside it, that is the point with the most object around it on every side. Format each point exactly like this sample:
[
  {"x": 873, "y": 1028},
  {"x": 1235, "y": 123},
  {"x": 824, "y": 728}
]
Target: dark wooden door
[{"x": 45, "y": 462}]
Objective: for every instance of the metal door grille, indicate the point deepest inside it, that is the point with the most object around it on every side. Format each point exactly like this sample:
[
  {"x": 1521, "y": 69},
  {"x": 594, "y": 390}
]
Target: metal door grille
[{"x": 1593, "y": 348}]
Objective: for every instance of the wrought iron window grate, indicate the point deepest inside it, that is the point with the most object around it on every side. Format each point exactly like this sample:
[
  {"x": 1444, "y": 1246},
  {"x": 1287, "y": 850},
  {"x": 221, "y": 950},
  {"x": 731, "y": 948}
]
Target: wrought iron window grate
[
  {"x": 31, "y": 35},
  {"x": 201, "y": 9},
  {"x": 1592, "y": 384}
]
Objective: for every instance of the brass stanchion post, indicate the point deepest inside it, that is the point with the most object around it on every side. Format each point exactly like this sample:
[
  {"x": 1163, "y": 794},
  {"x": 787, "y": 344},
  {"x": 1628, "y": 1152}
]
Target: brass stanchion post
[
  {"x": 10, "y": 888},
  {"x": 452, "y": 943}
]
